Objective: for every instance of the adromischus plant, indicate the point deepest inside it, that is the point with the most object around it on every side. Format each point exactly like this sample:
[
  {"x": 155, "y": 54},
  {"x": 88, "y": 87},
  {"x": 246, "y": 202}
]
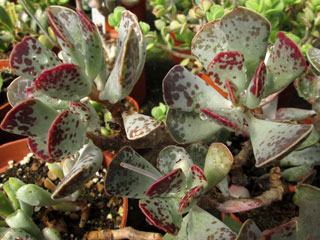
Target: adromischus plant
[{"x": 50, "y": 98}]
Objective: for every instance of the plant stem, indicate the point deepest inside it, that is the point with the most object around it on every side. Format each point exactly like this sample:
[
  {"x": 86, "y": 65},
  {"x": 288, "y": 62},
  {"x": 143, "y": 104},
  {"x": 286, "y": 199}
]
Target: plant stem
[
  {"x": 79, "y": 5},
  {"x": 235, "y": 4},
  {"x": 177, "y": 54},
  {"x": 38, "y": 23}
]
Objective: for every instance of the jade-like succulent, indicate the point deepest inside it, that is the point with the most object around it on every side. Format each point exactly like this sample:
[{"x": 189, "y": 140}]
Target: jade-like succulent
[{"x": 50, "y": 99}]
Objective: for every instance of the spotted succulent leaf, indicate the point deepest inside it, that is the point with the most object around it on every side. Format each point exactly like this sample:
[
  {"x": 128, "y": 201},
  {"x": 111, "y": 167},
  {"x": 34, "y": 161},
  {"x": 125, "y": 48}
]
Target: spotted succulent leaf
[
  {"x": 163, "y": 213},
  {"x": 139, "y": 125},
  {"x": 197, "y": 152},
  {"x": 273, "y": 140},
  {"x": 308, "y": 87},
  {"x": 65, "y": 81},
  {"x": 17, "y": 90},
  {"x": 15, "y": 233},
  {"x": 190, "y": 199},
  {"x": 66, "y": 135},
  {"x": 170, "y": 185},
  {"x": 239, "y": 205},
  {"x": 81, "y": 110},
  {"x": 307, "y": 156},
  {"x": 308, "y": 200},
  {"x": 196, "y": 177},
  {"x": 313, "y": 55},
  {"x": 29, "y": 58},
  {"x": 181, "y": 126},
  {"x": 38, "y": 145},
  {"x": 297, "y": 174},
  {"x": 218, "y": 163},
  {"x": 29, "y": 118},
  {"x": 294, "y": 114},
  {"x": 173, "y": 157},
  {"x": 249, "y": 231},
  {"x": 285, "y": 231},
  {"x": 127, "y": 183},
  {"x": 284, "y": 64},
  {"x": 82, "y": 171}
]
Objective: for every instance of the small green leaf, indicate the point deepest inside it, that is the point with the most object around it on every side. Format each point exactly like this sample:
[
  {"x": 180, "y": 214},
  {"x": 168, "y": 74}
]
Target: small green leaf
[
  {"x": 145, "y": 27},
  {"x": 5, "y": 19},
  {"x": 5, "y": 206}
]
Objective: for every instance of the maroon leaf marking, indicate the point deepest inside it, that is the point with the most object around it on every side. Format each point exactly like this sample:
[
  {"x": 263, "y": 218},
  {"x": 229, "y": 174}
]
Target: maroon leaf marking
[
  {"x": 259, "y": 80},
  {"x": 190, "y": 198},
  {"x": 170, "y": 184},
  {"x": 198, "y": 175},
  {"x": 81, "y": 110},
  {"x": 228, "y": 61},
  {"x": 284, "y": 231},
  {"x": 231, "y": 91},
  {"x": 87, "y": 25},
  {"x": 239, "y": 205},
  {"x": 38, "y": 146},
  {"x": 219, "y": 119}
]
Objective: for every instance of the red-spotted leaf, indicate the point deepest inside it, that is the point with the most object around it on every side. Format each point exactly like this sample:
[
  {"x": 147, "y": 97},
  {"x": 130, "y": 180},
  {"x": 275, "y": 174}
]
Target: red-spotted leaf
[
  {"x": 294, "y": 114},
  {"x": 239, "y": 205},
  {"x": 38, "y": 145},
  {"x": 66, "y": 82},
  {"x": 66, "y": 135},
  {"x": 313, "y": 55},
  {"x": 190, "y": 199},
  {"x": 81, "y": 110},
  {"x": 139, "y": 125},
  {"x": 29, "y": 58},
  {"x": 30, "y": 118},
  {"x": 163, "y": 213},
  {"x": 196, "y": 177},
  {"x": 231, "y": 66},
  {"x": 171, "y": 185},
  {"x": 173, "y": 157},
  {"x": 256, "y": 87},
  {"x": 273, "y": 140},
  {"x": 247, "y": 32},
  {"x": 197, "y": 152},
  {"x": 17, "y": 90},
  {"x": 307, "y": 156},
  {"x": 287, "y": 231},
  {"x": 65, "y": 24},
  {"x": 284, "y": 64},
  {"x": 249, "y": 231},
  {"x": 181, "y": 126},
  {"x": 308, "y": 87},
  {"x": 86, "y": 166},
  {"x": 208, "y": 42},
  {"x": 124, "y": 182},
  {"x": 218, "y": 163},
  {"x": 308, "y": 200},
  {"x": 93, "y": 51}
]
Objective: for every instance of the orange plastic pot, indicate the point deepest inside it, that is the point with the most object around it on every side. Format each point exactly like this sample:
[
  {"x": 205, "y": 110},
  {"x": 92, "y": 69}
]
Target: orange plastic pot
[{"x": 4, "y": 63}]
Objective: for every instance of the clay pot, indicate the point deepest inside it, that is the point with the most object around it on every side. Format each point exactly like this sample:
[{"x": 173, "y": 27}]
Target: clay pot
[{"x": 4, "y": 63}]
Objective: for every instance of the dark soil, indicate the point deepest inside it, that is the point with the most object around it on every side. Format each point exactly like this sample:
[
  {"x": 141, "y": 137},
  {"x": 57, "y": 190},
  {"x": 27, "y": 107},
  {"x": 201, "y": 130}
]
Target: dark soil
[{"x": 8, "y": 77}]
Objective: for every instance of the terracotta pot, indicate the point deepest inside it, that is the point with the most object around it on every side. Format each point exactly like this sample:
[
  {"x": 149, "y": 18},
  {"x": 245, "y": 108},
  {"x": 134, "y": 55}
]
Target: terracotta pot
[
  {"x": 17, "y": 150},
  {"x": 4, "y": 63}
]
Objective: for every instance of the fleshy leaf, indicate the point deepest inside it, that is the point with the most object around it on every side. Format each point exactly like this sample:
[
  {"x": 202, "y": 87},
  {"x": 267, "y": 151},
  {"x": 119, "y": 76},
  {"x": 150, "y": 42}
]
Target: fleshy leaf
[
  {"x": 307, "y": 156},
  {"x": 123, "y": 182},
  {"x": 196, "y": 177},
  {"x": 239, "y": 191},
  {"x": 163, "y": 213},
  {"x": 313, "y": 55},
  {"x": 285, "y": 231},
  {"x": 273, "y": 140},
  {"x": 208, "y": 42},
  {"x": 29, "y": 118},
  {"x": 296, "y": 174},
  {"x": 308, "y": 200},
  {"x": 190, "y": 199},
  {"x": 173, "y": 157},
  {"x": 139, "y": 125},
  {"x": 38, "y": 145},
  {"x": 66, "y": 82},
  {"x": 16, "y": 233},
  {"x": 294, "y": 114},
  {"x": 5, "y": 207},
  {"x": 284, "y": 64},
  {"x": 239, "y": 205},
  {"x": 16, "y": 92},
  {"x": 66, "y": 135},
  {"x": 181, "y": 126},
  {"x": 86, "y": 166},
  {"x": 29, "y": 57},
  {"x": 218, "y": 163},
  {"x": 197, "y": 152},
  {"x": 170, "y": 185},
  {"x": 308, "y": 87},
  {"x": 81, "y": 110},
  {"x": 247, "y": 32},
  {"x": 311, "y": 140},
  {"x": 249, "y": 231}
]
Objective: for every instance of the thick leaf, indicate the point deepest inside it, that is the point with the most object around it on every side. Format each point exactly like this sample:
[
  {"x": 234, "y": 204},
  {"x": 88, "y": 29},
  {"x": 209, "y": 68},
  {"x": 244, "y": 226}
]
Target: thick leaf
[
  {"x": 171, "y": 185},
  {"x": 86, "y": 166},
  {"x": 15, "y": 233},
  {"x": 273, "y": 140},
  {"x": 239, "y": 191},
  {"x": 284, "y": 64},
  {"x": 29, "y": 118},
  {"x": 239, "y": 205},
  {"x": 51, "y": 233},
  {"x": 29, "y": 58},
  {"x": 102, "y": 76},
  {"x": 247, "y": 32},
  {"x": 16, "y": 92},
  {"x": 81, "y": 110},
  {"x": 181, "y": 126},
  {"x": 294, "y": 114},
  {"x": 66, "y": 82},
  {"x": 218, "y": 163},
  {"x": 307, "y": 156},
  {"x": 163, "y": 213},
  {"x": 5, "y": 205},
  {"x": 38, "y": 145},
  {"x": 66, "y": 135},
  {"x": 285, "y": 231},
  {"x": 139, "y": 125},
  {"x": 92, "y": 46},
  {"x": 65, "y": 24},
  {"x": 197, "y": 152},
  {"x": 125, "y": 182},
  {"x": 173, "y": 157},
  {"x": 296, "y": 174},
  {"x": 308, "y": 200},
  {"x": 311, "y": 140},
  {"x": 313, "y": 55},
  {"x": 190, "y": 199},
  {"x": 208, "y": 42},
  {"x": 196, "y": 177},
  {"x": 308, "y": 87},
  {"x": 249, "y": 231},
  {"x": 5, "y": 19}
]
